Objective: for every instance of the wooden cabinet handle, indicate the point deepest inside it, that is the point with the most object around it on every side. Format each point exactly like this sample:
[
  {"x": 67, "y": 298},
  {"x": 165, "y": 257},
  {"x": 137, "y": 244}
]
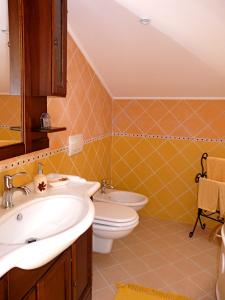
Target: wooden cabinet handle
[{"x": 56, "y": 42}]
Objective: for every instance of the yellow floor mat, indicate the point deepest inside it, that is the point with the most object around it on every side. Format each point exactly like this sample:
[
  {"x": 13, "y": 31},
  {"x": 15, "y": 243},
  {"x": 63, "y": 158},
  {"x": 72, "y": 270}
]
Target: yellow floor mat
[{"x": 135, "y": 292}]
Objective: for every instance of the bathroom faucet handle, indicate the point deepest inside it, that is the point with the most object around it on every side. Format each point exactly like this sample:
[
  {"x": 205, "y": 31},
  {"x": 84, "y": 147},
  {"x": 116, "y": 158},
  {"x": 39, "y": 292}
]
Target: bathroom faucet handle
[
  {"x": 8, "y": 179},
  {"x": 104, "y": 181}
]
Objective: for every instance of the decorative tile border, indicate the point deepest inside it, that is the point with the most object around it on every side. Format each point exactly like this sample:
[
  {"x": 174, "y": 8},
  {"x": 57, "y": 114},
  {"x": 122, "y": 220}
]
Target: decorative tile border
[
  {"x": 29, "y": 158},
  {"x": 168, "y": 137},
  {"x": 97, "y": 138}
]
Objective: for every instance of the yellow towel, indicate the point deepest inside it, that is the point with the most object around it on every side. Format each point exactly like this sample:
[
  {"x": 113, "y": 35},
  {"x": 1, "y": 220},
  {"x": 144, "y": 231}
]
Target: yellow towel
[
  {"x": 216, "y": 168},
  {"x": 222, "y": 199},
  {"x": 208, "y": 194},
  {"x": 135, "y": 292}
]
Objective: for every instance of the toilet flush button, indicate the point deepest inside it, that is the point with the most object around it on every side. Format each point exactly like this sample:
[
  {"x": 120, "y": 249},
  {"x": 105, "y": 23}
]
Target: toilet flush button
[{"x": 76, "y": 144}]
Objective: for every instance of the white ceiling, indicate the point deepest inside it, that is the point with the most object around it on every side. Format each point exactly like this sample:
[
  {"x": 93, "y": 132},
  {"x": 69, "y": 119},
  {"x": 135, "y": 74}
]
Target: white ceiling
[{"x": 180, "y": 54}]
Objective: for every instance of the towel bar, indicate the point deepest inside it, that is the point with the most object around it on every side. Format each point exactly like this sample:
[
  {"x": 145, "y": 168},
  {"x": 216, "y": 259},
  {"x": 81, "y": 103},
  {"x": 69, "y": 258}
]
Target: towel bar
[{"x": 201, "y": 212}]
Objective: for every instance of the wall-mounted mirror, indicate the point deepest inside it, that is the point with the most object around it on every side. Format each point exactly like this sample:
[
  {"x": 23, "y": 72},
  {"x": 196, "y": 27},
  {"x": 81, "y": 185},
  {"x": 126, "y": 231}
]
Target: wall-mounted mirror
[{"x": 10, "y": 75}]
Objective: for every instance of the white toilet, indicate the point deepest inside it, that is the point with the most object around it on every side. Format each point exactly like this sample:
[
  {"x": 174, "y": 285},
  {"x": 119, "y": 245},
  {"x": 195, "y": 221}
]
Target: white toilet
[{"x": 112, "y": 221}]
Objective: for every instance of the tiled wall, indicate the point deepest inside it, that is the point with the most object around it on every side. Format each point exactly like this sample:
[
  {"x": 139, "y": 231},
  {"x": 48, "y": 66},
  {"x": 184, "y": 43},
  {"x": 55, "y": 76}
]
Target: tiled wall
[
  {"x": 10, "y": 117},
  {"x": 157, "y": 147},
  {"x": 87, "y": 110}
]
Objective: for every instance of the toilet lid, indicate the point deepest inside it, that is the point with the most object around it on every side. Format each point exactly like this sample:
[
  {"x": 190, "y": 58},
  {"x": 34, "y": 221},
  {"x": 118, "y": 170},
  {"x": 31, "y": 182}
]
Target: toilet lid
[{"x": 114, "y": 213}]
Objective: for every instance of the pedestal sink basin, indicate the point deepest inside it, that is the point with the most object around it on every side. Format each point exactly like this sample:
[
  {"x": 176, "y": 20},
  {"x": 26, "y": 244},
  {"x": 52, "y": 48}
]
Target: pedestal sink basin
[
  {"x": 38, "y": 228},
  {"x": 130, "y": 199}
]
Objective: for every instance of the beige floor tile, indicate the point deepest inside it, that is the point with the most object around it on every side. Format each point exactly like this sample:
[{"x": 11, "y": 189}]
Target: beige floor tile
[
  {"x": 207, "y": 297},
  {"x": 171, "y": 254},
  {"x": 148, "y": 236},
  {"x": 131, "y": 239},
  {"x": 187, "y": 249},
  {"x": 115, "y": 274},
  {"x": 204, "y": 280},
  {"x": 123, "y": 255},
  {"x": 169, "y": 274},
  {"x": 211, "y": 294},
  {"x": 160, "y": 254},
  {"x": 154, "y": 261},
  {"x": 150, "y": 280},
  {"x": 188, "y": 288},
  {"x": 98, "y": 281},
  {"x": 157, "y": 244},
  {"x": 141, "y": 249},
  {"x": 187, "y": 267},
  {"x": 176, "y": 240},
  {"x": 104, "y": 294},
  {"x": 117, "y": 245},
  {"x": 102, "y": 261},
  {"x": 204, "y": 243},
  {"x": 135, "y": 267},
  {"x": 204, "y": 260}
]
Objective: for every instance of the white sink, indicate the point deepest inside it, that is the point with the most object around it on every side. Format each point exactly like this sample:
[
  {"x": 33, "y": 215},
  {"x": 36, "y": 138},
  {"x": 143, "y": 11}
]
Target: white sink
[
  {"x": 130, "y": 199},
  {"x": 42, "y": 219},
  {"x": 39, "y": 228}
]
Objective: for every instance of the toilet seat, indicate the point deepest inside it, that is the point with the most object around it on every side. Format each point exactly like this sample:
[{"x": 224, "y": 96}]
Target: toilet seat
[
  {"x": 111, "y": 222},
  {"x": 115, "y": 228},
  {"x": 114, "y": 215},
  {"x": 115, "y": 224}
]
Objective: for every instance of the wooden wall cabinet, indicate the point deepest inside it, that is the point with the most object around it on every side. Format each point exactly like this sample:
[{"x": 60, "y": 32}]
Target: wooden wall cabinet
[
  {"x": 45, "y": 64},
  {"x": 67, "y": 277},
  {"x": 45, "y": 52},
  {"x": 38, "y": 60}
]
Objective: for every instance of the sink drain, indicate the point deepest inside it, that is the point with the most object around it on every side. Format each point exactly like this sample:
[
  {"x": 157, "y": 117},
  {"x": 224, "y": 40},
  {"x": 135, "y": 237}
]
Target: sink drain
[{"x": 31, "y": 240}]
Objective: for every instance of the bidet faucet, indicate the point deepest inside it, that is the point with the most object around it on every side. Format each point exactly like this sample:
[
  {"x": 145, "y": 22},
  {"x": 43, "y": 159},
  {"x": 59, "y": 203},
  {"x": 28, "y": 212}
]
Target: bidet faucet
[
  {"x": 105, "y": 185},
  {"x": 9, "y": 189}
]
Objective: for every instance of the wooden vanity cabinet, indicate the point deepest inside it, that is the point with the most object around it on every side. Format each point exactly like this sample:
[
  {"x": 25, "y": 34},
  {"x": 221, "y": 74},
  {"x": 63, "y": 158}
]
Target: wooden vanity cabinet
[
  {"x": 82, "y": 277},
  {"x": 56, "y": 283},
  {"x": 3, "y": 287},
  {"x": 67, "y": 277}
]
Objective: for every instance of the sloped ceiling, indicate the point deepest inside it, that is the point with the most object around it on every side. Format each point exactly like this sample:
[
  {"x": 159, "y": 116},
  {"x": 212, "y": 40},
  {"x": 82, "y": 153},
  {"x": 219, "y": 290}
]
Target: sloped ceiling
[{"x": 181, "y": 53}]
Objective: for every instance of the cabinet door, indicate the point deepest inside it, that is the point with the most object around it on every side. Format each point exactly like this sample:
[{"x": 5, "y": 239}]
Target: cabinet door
[
  {"x": 56, "y": 283},
  {"x": 82, "y": 266},
  {"x": 59, "y": 47},
  {"x": 31, "y": 295},
  {"x": 4, "y": 288},
  {"x": 45, "y": 47}
]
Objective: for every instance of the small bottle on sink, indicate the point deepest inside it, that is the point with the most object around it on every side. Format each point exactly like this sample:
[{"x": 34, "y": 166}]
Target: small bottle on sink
[{"x": 40, "y": 180}]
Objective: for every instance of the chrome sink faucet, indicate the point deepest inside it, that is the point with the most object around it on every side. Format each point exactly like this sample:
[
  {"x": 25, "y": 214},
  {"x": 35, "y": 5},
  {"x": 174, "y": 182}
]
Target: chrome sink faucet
[
  {"x": 9, "y": 189},
  {"x": 105, "y": 185}
]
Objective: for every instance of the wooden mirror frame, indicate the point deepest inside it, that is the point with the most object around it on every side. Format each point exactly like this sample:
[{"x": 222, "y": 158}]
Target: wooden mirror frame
[{"x": 16, "y": 58}]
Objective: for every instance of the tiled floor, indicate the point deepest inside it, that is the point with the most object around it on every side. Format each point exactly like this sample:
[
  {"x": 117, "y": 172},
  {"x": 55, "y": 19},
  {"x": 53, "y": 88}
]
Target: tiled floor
[{"x": 159, "y": 254}]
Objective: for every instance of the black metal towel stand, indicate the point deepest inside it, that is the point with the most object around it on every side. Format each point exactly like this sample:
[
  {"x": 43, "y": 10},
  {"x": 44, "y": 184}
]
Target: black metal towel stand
[{"x": 201, "y": 212}]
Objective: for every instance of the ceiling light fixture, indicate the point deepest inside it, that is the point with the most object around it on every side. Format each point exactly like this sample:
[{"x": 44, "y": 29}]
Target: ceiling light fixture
[{"x": 144, "y": 20}]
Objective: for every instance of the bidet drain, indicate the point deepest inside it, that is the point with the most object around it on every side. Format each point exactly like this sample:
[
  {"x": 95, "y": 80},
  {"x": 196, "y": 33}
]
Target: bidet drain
[
  {"x": 31, "y": 240},
  {"x": 19, "y": 217}
]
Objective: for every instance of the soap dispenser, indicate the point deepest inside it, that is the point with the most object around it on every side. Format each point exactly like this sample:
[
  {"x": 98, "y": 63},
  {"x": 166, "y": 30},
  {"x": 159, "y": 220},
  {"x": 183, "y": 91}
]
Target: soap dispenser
[{"x": 40, "y": 180}]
